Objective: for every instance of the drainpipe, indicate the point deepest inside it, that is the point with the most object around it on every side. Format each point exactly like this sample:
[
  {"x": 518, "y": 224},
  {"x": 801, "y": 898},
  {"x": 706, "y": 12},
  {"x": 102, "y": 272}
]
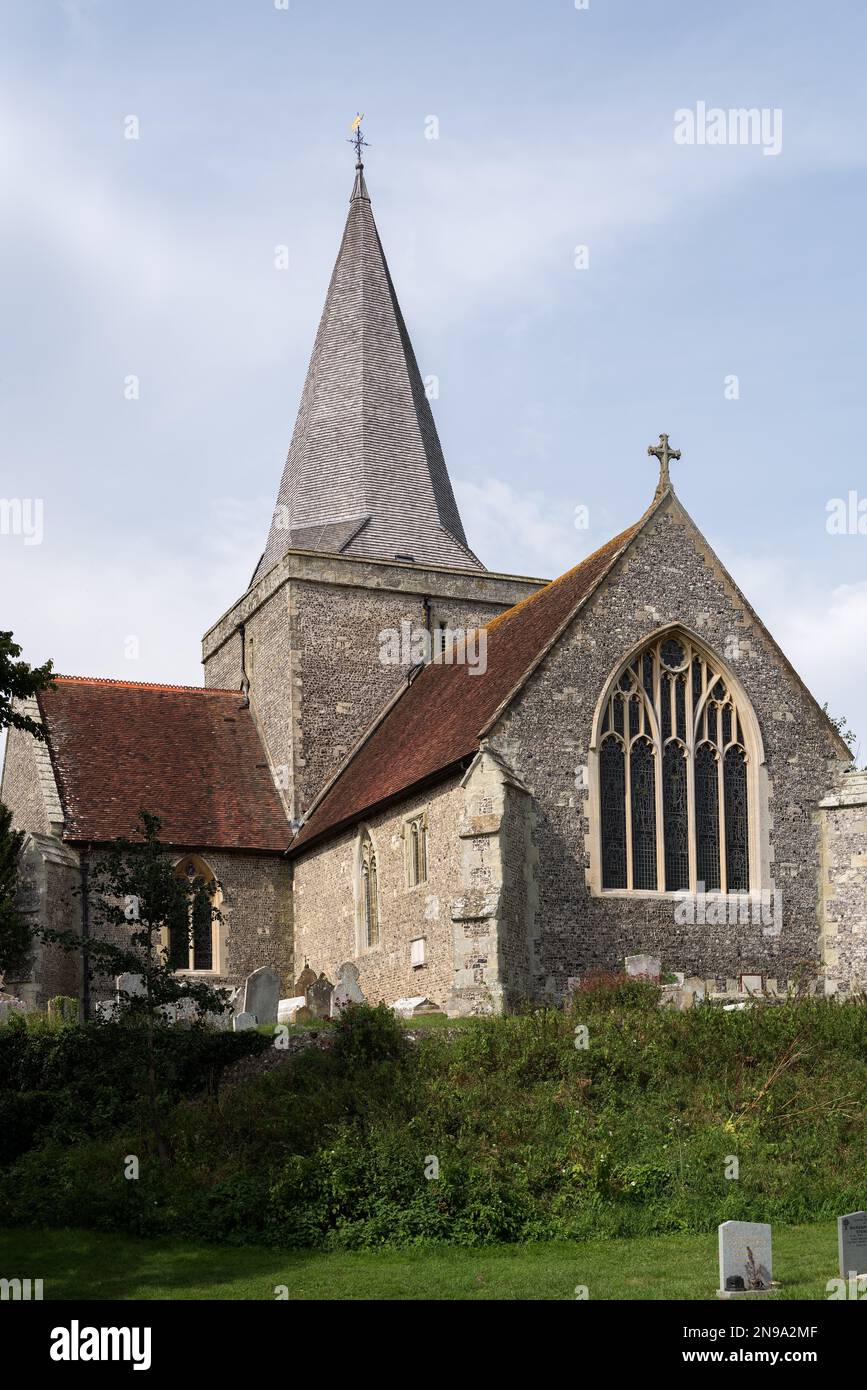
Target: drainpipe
[
  {"x": 84, "y": 865},
  {"x": 245, "y": 679}
]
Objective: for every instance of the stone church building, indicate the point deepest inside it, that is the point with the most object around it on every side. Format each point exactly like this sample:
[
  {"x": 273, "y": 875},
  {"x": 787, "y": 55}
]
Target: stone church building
[{"x": 475, "y": 786}]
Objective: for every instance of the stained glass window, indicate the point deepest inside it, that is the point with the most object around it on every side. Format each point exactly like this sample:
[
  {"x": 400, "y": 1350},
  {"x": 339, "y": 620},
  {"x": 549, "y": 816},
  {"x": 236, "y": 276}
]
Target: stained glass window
[
  {"x": 707, "y": 818},
  {"x": 192, "y": 925},
  {"x": 737, "y": 845},
  {"x": 675, "y": 811},
  {"x": 612, "y": 781},
  {"x": 673, "y": 762},
  {"x": 369, "y": 894},
  {"x": 643, "y": 798}
]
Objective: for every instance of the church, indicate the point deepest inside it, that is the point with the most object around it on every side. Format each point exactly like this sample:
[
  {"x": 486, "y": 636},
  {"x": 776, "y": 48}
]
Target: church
[{"x": 476, "y": 787}]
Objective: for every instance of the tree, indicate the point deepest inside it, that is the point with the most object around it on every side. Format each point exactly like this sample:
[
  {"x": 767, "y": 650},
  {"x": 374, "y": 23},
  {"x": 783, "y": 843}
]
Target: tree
[
  {"x": 146, "y": 911},
  {"x": 19, "y": 681},
  {"x": 15, "y": 934},
  {"x": 841, "y": 724}
]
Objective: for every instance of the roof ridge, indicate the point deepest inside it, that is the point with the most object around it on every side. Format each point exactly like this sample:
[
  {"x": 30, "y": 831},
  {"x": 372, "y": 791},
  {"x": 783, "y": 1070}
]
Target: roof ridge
[{"x": 143, "y": 685}]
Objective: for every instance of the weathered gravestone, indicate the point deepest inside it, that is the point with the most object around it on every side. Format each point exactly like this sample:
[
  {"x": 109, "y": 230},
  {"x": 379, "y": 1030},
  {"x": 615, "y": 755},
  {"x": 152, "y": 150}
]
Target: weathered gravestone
[
  {"x": 415, "y": 1006},
  {"x": 744, "y": 1257},
  {"x": 261, "y": 994},
  {"x": 319, "y": 997},
  {"x": 289, "y": 1009},
  {"x": 347, "y": 989},
  {"x": 852, "y": 1243},
  {"x": 643, "y": 965},
  {"x": 130, "y": 984},
  {"x": 10, "y": 1008},
  {"x": 305, "y": 980},
  {"x": 244, "y": 1022}
]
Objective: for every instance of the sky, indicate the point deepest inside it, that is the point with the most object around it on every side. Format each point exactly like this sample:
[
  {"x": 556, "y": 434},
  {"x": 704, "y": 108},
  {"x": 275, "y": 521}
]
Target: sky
[{"x": 577, "y": 273}]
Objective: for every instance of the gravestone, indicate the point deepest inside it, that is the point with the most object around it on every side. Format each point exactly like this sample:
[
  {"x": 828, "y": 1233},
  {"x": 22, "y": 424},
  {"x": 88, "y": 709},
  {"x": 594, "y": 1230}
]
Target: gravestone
[
  {"x": 319, "y": 997},
  {"x": 852, "y": 1243},
  {"x": 643, "y": 965},
  {"x": 415, "y": 1006},
  {"x": 261, "y": 994},
  {"x": 347, "y": 990},
  {"x": 244, "y": 1022},
  {"x": 64, "y": 1008},
  {"x": 744, "y": 1257},
  {"x": 130, "y": 984},
  {"x": 305, "y": 980},
  {"x": 288, "y": 1008},
  {"x": 107, "y": 1010}
]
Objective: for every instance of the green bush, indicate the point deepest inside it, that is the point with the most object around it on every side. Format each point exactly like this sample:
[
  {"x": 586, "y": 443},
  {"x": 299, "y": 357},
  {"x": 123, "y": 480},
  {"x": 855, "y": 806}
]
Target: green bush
[{"x": 503, "y": 1130}]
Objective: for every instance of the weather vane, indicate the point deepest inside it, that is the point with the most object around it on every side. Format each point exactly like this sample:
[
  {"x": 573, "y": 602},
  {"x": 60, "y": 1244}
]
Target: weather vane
[{"x": 358, "y": 139}]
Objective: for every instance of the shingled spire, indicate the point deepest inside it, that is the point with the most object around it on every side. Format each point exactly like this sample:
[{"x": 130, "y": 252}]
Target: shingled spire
[{"x": 365, "y": 474}]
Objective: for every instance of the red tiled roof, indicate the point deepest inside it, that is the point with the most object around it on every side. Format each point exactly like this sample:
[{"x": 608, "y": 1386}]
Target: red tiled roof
[
  {"x": 189, "y": 755},
  {"x": 438, "y": 718}
]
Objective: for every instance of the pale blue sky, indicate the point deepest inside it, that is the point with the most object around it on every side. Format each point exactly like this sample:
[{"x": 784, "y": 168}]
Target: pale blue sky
[{"x": 155, "y": 258}]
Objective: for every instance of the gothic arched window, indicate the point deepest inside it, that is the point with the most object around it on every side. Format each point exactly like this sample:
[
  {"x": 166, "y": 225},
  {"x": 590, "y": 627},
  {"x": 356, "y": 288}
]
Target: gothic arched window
[
  {"x": 369, "y": 895},
  {"x": 193, "y": 937},
  {"x": 674, "y": 775}
]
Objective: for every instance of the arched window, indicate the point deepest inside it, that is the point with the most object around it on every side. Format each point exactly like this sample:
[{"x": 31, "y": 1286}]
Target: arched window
[
  {"x": 369, "y": 895},
  {"x": 193, "y": 936},
  {"x": 416, "y": 860},
  {"x": 675, "y": 775}
]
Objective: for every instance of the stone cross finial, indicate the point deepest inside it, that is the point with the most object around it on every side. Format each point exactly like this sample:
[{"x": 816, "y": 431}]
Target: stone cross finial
[{"x": 662, "y": 452}]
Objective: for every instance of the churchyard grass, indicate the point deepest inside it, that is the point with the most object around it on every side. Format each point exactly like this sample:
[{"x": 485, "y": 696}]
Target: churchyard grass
[{"x": 79, "y": 1264}]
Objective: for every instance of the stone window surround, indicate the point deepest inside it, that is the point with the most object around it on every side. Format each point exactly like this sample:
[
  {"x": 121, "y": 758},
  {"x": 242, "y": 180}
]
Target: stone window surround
[
  {"x": 218, "y": 928},
  {"x": 420, "y": 820},
  {"x": 757, "y": 782},
  {"x": 362, "y": 946}
]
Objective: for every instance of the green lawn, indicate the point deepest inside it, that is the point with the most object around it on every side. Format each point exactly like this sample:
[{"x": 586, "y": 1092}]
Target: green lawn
[{"x": 85, "y": 1265}]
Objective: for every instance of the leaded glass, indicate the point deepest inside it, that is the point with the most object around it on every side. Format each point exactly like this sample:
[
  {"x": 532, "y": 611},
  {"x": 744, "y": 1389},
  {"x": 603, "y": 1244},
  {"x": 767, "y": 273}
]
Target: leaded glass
[
  {"x": 672, "y": 653},
  {"x": 680, "y": 706},
  {"x": 643, "y": 798},
  {"x": 618, "y": 714},
  {"x": 634, "y": 716},
  {"x": 612, "y": 788},
  {"x": 707, "y": 818},
  {"x": 726, "y": 725},
  {"x": 711, "y": 722},
  {"x": 736, "y": 820},
  {"x": 696, "y": 681},
  {"x": 179, "y": 933},
  {"x": 647, "y": 668},
  {"x": 675, "y": 818},
  {"x": 665, "y": 706}
]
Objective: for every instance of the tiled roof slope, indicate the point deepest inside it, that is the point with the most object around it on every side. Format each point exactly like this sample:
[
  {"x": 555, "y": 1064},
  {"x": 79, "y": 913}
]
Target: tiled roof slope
[
  {"x": 437, "y": 719},
  {"x": 191, "y": 756},
  {"x": 365, "y": 445}
]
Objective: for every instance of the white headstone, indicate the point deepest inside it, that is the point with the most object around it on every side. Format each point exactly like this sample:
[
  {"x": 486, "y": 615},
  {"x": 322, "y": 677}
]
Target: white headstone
[
  {"x": 107, "y": 1010},
  {"x": 852, "y": 1243},
  {"x": 643, "y": 965},
  {"x": 244, "y": 1022},
  {"x": 287, "y": 1008},
  {"x": 744, "y": 1257},
  {"x": 261, "y": 994}
]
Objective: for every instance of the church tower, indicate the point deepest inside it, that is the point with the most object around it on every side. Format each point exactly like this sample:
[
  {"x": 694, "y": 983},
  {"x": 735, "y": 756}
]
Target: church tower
[{"x": 366, "y": 538}]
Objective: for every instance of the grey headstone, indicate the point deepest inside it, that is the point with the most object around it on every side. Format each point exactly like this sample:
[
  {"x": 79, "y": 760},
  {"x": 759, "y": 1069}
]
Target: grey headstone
[
  {"x": 643, "y": 965},
  {"x": 107, "y": 1010},
  {"x": 319, "y": 997},
  {"x": 347, "y": 990},
  {"x": 262, "y": 994},
  {"x": 852, "y": 1243},
  {"x": 244, "y": 1022},
  {"x": 130, "y": 984},
  {"x": 745, "y": 1256}
]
